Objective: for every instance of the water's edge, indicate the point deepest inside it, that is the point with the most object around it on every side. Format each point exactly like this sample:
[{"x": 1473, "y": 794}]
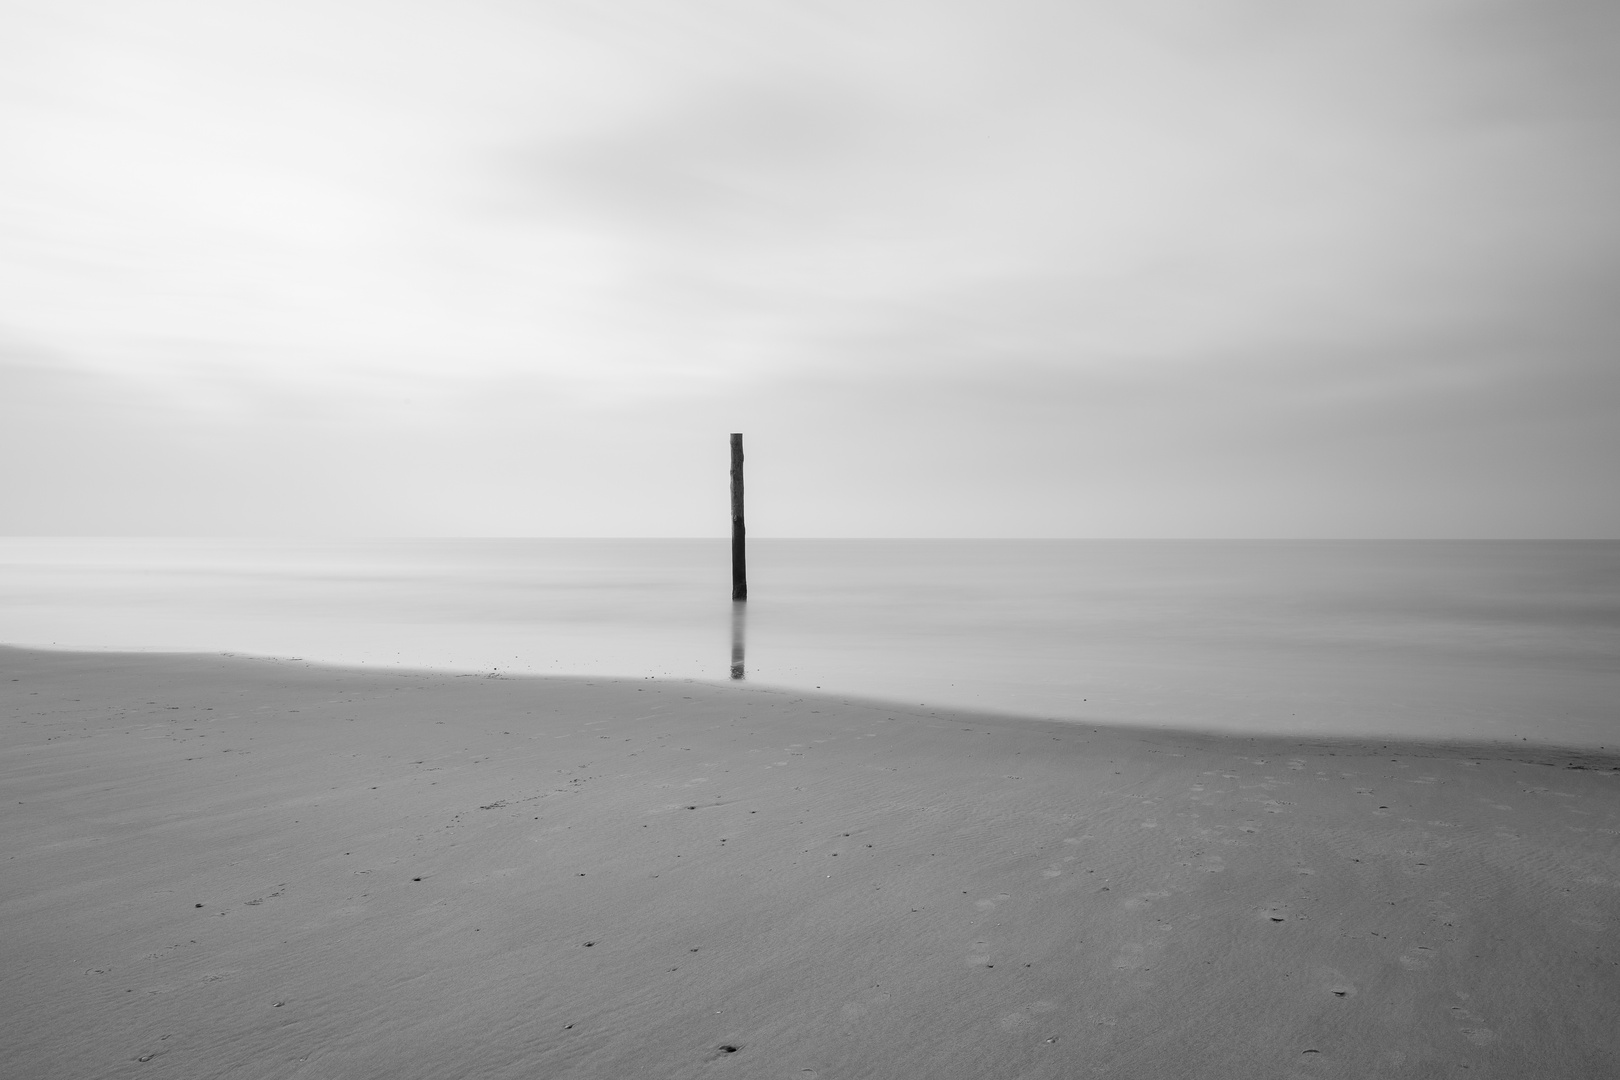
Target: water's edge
[{"x": 1501, "y": 641}]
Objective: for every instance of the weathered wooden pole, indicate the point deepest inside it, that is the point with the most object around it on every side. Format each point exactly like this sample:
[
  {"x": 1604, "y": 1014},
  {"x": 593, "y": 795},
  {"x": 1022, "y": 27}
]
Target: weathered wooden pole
[
  {"x": 739, "y": 562},
  {"x": 739, "y": 638}
]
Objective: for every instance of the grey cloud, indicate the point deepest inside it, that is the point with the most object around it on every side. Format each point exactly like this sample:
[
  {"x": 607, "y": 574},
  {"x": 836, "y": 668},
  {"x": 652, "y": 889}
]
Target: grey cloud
[{"x": 746, "y": 150}]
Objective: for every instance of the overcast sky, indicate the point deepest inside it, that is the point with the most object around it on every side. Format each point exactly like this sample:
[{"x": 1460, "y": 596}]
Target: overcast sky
[{"x": 986, "y": 268}]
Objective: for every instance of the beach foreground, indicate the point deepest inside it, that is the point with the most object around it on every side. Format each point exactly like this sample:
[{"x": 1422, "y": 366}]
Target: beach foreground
[{"x": 224, "y": 866}]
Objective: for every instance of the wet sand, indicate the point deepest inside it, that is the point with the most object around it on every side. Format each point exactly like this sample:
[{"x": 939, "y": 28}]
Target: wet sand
[{"x": 258, "y": 868}]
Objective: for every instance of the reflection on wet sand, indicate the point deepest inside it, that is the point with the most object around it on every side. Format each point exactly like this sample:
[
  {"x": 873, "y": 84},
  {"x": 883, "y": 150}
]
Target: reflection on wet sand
[{"x": 739, "y": 636}]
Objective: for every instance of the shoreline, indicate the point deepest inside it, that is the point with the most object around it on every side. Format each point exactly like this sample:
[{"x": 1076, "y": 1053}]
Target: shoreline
[
  {"x": 1577, "y": 755},
  {"x": 279, "y": 868}
]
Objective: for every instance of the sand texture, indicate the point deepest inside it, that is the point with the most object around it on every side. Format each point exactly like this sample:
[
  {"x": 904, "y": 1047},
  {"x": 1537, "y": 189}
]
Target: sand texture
[{"x": 216, "y": 866}]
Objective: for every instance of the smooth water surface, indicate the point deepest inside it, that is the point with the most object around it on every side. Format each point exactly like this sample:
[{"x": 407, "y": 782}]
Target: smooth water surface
[{"x": 1471, "y": 639}]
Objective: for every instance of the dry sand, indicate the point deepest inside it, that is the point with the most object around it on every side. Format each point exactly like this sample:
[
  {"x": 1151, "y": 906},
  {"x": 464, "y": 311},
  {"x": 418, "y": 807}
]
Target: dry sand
[{"x": 229, "y": 867}]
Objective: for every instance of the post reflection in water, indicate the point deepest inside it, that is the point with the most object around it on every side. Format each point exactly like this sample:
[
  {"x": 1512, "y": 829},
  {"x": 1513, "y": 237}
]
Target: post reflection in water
[{"x": 739, "y": 636}]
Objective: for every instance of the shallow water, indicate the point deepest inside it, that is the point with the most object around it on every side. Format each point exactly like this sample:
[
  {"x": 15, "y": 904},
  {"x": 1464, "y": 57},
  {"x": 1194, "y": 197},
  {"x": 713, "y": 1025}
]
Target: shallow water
[{"x": 1470, "y": 639}]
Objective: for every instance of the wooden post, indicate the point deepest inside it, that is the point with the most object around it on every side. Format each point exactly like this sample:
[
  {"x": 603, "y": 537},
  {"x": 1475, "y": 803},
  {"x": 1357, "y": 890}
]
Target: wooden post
[{"x": 739, "y": 562}]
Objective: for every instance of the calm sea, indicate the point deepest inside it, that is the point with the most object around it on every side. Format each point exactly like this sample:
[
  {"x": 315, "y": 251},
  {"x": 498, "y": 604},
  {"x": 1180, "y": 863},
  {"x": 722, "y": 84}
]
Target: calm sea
[{"x": 1473, "y": 639}]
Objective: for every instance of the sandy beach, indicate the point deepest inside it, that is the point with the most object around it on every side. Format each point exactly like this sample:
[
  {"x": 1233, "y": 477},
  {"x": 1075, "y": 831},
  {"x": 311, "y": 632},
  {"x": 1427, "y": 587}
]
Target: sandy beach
[{"x": 219, "y": 866}]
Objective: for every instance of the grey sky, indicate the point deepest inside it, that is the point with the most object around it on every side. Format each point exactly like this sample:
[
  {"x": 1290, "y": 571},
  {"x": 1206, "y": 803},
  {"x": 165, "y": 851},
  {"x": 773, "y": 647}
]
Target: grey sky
[{"x": 999, "y": 268}]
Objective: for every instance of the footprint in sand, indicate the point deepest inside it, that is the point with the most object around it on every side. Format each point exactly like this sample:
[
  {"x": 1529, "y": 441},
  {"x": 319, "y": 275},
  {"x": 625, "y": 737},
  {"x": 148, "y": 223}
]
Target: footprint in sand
[
  {"x": 1476, "y": 1033},
  {"x": 990, "y": 905},
  {"x": 1024, "y": 1019},
  {"x": 855, "y": 1010},
  {"x": 1132, "y": 955},
  {"x": 1052, "y": 871},
  {"x": 1418, "y": 958},
  {"x": 1137, "y": 956},
  {"x": 1442, "y": 912},
  {"x": 1143, "y": 901}
]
